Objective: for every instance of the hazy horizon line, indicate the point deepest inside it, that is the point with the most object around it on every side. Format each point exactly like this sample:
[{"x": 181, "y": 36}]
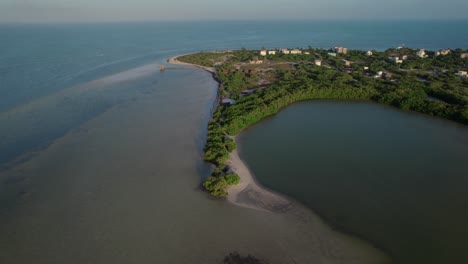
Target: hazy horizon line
[{"x": 233, "y": 20}]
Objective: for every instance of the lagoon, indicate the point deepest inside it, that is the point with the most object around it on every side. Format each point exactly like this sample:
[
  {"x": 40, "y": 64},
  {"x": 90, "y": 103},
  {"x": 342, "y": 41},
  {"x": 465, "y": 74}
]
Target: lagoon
[{"x": 397, "y": 179}]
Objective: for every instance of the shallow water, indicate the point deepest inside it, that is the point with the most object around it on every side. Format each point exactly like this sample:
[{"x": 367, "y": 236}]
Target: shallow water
[
  {"x": 124, "y": 188},
  {"x": 395, "y": 178}
]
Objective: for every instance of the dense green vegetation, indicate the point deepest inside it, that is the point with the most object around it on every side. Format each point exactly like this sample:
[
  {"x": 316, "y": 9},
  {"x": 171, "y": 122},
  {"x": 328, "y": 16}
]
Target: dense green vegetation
[
  {"x": 405, "y": 86},
  {"x": 217, "y": 185}
]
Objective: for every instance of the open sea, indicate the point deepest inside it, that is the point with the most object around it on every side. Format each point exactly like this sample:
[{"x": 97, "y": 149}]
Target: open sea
[{"x": 100, "y": 152}]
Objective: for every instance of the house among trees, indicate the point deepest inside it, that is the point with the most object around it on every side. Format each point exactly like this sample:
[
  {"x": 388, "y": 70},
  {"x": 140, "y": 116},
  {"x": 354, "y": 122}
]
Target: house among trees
[
  {"x": 346, "y": 62},
  {"x": 463, "y": 74},
  {"x": 263, "y": 52},
  {"x": 396, "y": 59},
  {"x": 422, "y": 53},
  {"x": 228, "y": 101},
  {"x": 296, "y": 51},
  {"x": 369, "y": 53},
  {"x": 443, "y": 52},
  {"x": 272, "y": 52},
  {"x": 285, "y": 51},
  {"x": 318, "y": 62},
  {"x": 256, "y": 61},
  {"x": 464, "y": 55}
]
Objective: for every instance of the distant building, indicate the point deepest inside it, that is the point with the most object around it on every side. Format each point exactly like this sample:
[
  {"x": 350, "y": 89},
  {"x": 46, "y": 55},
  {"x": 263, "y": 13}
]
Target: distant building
[
  {"x": 296, "y": 51},
  {"x": 369, "y": 53},
  {"x": 263, "y": 52},
  {"x": 396, "y": 59},
  {"x": 378, "y": 74},
  {"x": 341, "y": 50},
  {"x": 306, "y": 52},
  {"x": 422, "y": 53},
  {"x": 366, "y": 68},
  {"x": 462, "y": 73},
  {"x": 318, "y": 62},
  {"x": 443, "y": 52},
  {"x": 332, "y": 54},
  {"x": 346, "y": 62},
  {"x": 464, "y": 55},
  {"x": 285, "y": 51},
  {"x": 272, "y": 52},
  {"x": 256, "y": 61},
  {"x": 404, "y": 57},
  {"x": 228, "y": 101}
]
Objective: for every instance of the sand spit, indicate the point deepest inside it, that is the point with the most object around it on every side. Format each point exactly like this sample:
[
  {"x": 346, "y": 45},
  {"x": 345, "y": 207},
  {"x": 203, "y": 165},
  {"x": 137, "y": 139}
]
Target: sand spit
[
  {"x": 251, "y": 194},
  {"x": 175, "y": 61}
]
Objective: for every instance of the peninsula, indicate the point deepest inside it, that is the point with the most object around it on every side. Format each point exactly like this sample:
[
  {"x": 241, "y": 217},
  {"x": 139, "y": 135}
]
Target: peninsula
[{"x": 255, "y": 84}]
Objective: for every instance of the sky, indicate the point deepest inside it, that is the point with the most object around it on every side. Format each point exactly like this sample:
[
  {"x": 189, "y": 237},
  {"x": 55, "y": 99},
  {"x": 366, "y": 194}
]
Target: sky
[{"x": 31, "y": 11}]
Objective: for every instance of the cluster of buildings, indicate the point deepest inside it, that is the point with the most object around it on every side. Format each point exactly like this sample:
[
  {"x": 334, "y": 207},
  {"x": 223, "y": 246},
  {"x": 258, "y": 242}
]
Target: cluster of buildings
[
  {"x": 265, "y": 52},
  {"x": 399, "y": 59}
]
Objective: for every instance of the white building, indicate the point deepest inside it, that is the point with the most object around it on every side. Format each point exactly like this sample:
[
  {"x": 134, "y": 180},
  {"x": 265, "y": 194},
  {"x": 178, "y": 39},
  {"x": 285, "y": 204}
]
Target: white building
[
  {"x": 443, "y": 52},
  {"x": 396, "y": 59},
  {"x": 296, "y": 51},
  {"x": 318, "y": 62},
  {"x": 306, "y": 52},
  {"x": 263, "y": 52},
  {"x": 464, "y": 55},
  {"x": 366, "y": 68},
  {"x": 369, "y": 53},
  {"x": 462, "y": 73},
  {"x": 285, "y": 51},
  {"x": 422, "y": 53},
  {"x": 272, "y": 52}
]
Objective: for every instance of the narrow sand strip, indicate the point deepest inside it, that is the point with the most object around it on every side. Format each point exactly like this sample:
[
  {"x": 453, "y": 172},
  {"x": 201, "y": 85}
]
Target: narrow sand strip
[
  {"x": 174, "y": 60},
  {"x": 249, "y": 193}
]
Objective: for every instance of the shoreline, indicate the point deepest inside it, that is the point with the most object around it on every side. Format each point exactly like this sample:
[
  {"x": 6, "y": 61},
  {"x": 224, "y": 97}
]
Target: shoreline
[
  {"x": 251, "y": 194},
  {"x": 248, "y": 193},
  {"x": 174, "y": 60}
]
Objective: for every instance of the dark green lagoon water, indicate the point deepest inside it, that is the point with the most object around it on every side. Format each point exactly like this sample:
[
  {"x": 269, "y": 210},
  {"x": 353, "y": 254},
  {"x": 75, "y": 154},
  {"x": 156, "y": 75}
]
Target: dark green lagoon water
[{"x": 394, "y": 178}]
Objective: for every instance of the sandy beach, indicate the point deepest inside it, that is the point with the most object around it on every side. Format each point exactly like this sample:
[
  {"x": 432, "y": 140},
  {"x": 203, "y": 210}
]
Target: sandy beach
[
  {"x": 175, "y": 61},
  {"x": 249, "y": 193}
]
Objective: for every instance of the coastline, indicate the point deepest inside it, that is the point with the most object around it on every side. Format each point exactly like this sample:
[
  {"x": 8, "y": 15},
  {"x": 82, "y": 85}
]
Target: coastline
[
  {"x": 174, "y": 60},
  {"x": 248, "y": 193}
]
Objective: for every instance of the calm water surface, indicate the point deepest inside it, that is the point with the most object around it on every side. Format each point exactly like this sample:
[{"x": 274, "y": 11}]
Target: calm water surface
[{"x": 395, "y": 178}]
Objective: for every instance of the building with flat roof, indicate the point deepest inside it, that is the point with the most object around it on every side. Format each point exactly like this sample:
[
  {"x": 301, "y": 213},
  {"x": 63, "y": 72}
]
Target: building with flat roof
[{"x": 341, "y": 50}]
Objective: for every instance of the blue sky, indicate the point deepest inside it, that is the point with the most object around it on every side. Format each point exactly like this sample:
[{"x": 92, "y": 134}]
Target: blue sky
[{"x": 138, "y": 10}]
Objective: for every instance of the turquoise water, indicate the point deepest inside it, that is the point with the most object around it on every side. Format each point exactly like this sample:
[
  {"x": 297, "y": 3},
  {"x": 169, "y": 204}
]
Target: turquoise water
[{"x": 397, "y": 179}]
